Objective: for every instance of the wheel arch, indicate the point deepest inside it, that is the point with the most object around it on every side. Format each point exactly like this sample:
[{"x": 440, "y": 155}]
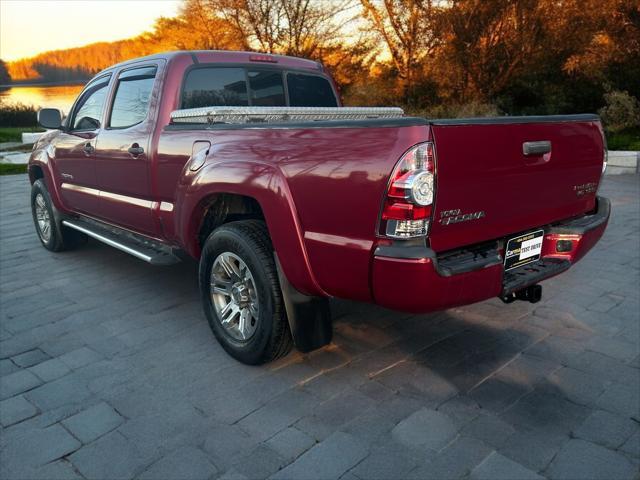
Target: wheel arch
[
  {"x": 35, "y": 173},
  {"x": 222, "y": 207},
  {"x": 40, "y": 167},
  {"x": 225, "y": 191}
]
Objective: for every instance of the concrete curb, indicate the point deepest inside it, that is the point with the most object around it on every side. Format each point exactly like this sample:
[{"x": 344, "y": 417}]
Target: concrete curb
[
  {"x": 623, "y": 162},
  {"x": 16, "y": 158},
  {"x": 32, "y": 137}
]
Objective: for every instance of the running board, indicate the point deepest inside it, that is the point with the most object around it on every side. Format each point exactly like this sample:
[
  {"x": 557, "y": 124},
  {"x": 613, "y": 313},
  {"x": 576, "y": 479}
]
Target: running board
[{"x": 139, "y": 246}]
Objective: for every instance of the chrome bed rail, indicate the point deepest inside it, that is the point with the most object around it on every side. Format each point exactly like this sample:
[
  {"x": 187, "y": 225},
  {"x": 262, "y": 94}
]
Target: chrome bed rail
[{"x": 243, "y": 115}]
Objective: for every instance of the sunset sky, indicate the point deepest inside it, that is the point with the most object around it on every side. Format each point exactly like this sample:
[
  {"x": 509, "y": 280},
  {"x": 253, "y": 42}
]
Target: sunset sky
[{"x": 28, "y": 27}]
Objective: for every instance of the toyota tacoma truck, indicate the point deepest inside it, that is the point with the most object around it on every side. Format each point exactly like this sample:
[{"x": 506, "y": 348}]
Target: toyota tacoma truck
[{"x": 249, "y": 164}]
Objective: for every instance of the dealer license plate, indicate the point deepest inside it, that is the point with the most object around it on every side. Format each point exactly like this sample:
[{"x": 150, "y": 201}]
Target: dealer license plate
[{"x": 523, "y": 249}]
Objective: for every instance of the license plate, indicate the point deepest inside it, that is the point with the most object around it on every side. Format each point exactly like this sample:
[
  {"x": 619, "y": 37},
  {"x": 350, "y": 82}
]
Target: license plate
[{"x": 523, "y": 249}]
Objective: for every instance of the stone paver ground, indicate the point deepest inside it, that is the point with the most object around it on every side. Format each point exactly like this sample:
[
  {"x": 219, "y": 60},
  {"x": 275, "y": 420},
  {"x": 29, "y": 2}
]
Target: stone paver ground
[{"x": 109, "y": 370}]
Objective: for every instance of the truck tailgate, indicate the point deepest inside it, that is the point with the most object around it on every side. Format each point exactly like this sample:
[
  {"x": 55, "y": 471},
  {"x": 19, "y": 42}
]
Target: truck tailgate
[{"x": 481, "y": 170}]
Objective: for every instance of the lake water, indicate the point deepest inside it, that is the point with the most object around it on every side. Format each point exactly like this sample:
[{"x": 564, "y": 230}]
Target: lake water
[{"x": 60, "y": 96}]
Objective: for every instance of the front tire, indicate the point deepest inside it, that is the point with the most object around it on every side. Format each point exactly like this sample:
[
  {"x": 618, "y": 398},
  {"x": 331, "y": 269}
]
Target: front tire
[
  {"x": 52, "y": 234},
  {"x": 241, "y": 294}
]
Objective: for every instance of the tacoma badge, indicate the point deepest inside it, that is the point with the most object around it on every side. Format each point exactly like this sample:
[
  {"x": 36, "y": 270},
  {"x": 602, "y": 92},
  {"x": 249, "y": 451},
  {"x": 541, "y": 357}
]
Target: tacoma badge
[{"x": 448, "y": 217}]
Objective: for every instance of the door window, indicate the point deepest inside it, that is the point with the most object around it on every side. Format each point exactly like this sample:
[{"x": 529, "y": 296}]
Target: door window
[
  {"x": 88, "y": 110},
  {"x": 133, "y": 93}
]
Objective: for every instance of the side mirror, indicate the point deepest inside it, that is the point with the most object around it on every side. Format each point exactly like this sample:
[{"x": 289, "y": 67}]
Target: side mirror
[{"x": 50, "y": 118}]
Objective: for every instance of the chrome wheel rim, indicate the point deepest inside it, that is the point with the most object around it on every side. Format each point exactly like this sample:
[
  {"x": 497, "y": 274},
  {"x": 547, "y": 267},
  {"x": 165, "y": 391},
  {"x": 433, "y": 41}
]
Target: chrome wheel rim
[
  {"x": 234, "y": 296},
  {"x": 43, "y": 218}
]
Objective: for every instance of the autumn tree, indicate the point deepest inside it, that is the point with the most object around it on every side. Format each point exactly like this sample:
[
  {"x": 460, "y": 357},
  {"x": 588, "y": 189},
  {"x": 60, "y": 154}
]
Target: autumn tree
[
  {"x": 491, "y": 42},
  {"x": 303, "y": 28},
  {"x": 318, "y": 29},
  {"x": 410, "y": 30},
  {"x": 610, "y": 55},
  {"x": 5, "y": 78},
  {"x": 197, "y": 27}
]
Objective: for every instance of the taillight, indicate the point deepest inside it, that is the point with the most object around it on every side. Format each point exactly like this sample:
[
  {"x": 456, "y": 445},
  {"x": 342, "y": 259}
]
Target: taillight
[
  {"x": 605, "y": 154},
  {"x": 407, "y": 207}
]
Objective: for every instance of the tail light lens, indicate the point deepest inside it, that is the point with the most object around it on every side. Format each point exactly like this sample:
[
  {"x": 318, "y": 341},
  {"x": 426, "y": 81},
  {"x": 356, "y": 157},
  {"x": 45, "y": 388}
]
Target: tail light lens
[
  {"x": 605, "y": 154},
  {"x": 407, "y": 207}
]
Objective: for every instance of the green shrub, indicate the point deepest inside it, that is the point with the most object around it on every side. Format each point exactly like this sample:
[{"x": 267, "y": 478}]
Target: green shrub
[
  {"x": 17, "y": 115},
  {"x": 628, "y": 139},
  {"x": 14, "y": 134},
  {"x": 621, "y": 111}
]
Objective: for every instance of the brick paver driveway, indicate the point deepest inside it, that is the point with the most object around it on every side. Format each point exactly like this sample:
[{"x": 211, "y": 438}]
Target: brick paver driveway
[{"x": 109, "y": 371}]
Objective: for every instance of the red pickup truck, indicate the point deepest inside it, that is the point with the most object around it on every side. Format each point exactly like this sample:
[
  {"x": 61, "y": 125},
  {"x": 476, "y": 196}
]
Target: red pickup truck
[{"x": 249, "y": 163}]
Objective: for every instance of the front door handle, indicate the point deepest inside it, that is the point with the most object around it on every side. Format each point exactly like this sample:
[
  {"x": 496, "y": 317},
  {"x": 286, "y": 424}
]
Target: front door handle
[
  {"x": 136, "y": 150},
  {"x": 88, "y": 148}
]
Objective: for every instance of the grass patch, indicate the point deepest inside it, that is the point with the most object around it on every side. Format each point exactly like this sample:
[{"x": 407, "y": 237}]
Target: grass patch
[
  {"x": 14, "y": 134},
  {"x": 12, "y": 169},
  {"x": 25, "y": 147},
  {"x": 628, "y": 139}
]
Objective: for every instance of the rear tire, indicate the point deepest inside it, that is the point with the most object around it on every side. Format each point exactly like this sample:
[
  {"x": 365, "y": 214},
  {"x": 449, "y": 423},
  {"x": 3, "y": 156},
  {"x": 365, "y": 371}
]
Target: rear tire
[
  {"x": 240, "y": 255},
  {"x": 52, "y": 234}
]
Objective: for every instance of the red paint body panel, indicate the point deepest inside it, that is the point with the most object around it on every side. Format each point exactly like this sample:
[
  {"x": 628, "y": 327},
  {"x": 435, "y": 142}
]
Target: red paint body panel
[
  {"x": 321, "y": 189},
  {"x": 415, "y": 285},
  {"x": 333, "y": 207},
  {"x": 482, "y": 168},
  {"x": 424, "y": 289}
]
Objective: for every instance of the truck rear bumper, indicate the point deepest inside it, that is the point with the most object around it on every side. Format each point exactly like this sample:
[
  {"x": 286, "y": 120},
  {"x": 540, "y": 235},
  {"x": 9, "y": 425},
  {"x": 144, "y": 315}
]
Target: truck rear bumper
[{"x": 416, "y": 279}]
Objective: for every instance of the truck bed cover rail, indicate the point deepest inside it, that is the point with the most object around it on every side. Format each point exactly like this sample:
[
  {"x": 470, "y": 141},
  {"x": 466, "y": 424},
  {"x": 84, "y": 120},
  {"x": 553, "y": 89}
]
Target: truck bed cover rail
[{"x": 243, "y": 115}]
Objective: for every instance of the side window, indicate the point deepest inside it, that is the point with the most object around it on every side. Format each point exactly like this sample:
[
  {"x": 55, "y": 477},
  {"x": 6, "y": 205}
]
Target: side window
[
  {"x": 133, "y": 93},
  {"x": 219, "y": 86},
  {"x": 310, "y": 91},
  {"x": 88, "y": 110},
  {"x": 267, "y": 89}
]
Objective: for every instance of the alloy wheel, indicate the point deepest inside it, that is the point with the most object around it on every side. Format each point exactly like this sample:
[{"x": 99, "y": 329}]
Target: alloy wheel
[{"x": 234, "y": 296}]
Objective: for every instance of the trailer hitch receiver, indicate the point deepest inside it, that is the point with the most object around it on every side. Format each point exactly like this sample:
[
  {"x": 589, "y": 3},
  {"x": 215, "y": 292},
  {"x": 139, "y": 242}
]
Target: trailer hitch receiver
[{"x": 531, "y": 294}]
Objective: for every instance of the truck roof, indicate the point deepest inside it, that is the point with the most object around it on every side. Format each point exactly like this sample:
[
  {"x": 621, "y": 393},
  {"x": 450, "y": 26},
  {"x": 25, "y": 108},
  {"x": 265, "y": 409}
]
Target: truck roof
[{"x": 226, "y": 56}]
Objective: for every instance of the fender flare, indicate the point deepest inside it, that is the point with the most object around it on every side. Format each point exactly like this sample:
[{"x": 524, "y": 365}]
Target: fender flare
[
  {"x": 40, "y": 158},
  {"x": 266, "y": 184}
]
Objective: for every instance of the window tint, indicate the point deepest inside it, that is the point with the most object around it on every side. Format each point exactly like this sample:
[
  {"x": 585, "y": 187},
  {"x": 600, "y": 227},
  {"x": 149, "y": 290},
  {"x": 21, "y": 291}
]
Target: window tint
[
  {"x": 88, "y": 110},
  {"x": 267, "y": 89},
  {"x": 310, "y": 91},
  {"x": 219, "y": 86},
  {"x": 133, "y": 93}
]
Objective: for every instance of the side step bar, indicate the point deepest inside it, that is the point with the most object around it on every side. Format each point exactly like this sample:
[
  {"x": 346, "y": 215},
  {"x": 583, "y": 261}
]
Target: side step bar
[{"x": 128, "y": 242}]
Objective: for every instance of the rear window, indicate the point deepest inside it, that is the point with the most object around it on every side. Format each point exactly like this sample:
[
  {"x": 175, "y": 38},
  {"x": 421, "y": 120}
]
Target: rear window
[
  {"x": 227, "y": 86},
  {"x": 205, "y": 87},
  {"x": 267, "y": 89},
  {"x": 310, "y": 91}
]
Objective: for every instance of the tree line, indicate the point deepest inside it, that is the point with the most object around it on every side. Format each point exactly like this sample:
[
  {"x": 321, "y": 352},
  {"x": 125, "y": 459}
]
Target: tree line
[{"x": 442, "y": 57}]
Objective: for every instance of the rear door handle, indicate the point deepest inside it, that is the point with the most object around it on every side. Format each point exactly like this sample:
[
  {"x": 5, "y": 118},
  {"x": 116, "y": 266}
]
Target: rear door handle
[
  {"x": 536, "y": 148},
  {"x": 88, "y": 148}
]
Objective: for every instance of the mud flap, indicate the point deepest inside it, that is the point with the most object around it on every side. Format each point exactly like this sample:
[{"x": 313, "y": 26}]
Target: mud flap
[{"x": 309, "y": 317}]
